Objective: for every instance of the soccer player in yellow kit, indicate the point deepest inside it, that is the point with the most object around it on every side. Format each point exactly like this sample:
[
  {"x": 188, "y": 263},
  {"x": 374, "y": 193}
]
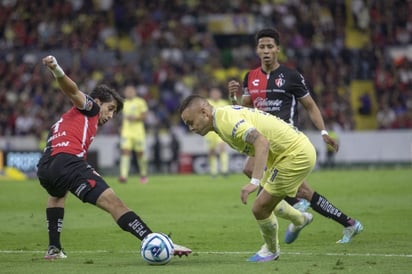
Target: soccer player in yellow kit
[
  {"x": 217, "y": 148},
  {"x": 133, "y": 134},
  {"x": 284, "y": 156}
]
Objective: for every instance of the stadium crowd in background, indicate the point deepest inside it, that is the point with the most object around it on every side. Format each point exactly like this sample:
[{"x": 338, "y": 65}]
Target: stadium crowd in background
[{"x": 169, "y": 49}]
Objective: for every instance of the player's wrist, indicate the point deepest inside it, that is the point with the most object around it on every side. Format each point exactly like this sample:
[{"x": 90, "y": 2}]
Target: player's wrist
[
  {"x": 233, "y": 99},
  {"x": 255, "y": 181},
  {"x": 324, "y": 132},
  {"x": 57, "y": 71}
]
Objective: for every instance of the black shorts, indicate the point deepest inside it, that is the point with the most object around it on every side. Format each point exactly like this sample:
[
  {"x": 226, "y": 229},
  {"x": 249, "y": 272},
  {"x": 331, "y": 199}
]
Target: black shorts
[{"x": 61, "y": 173}]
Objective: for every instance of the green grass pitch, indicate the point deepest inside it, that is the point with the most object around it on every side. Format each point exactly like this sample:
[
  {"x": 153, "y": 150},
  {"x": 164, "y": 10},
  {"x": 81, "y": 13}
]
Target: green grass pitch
[{"x": 206, "y": 215}]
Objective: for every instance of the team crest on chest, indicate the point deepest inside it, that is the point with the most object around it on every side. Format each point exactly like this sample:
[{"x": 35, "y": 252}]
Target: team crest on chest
[{"x": 279, "y": 82}]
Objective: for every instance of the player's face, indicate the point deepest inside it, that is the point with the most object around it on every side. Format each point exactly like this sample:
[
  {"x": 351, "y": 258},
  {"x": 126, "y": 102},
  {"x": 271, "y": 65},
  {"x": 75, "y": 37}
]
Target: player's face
[
  {"x": 215, "y": 94},
  {"x": 197, "y": 120},
  {"x": 107, "y": 111},
  {"x": 267, "y": 50},
  {"x": 129, "y": 92}
]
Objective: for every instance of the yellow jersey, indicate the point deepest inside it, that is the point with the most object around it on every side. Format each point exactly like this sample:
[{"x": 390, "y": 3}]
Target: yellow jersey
[
  {"x": 219, "y": 103},
  {"x": 133, "y": 107},
  {"x": 234, "y": 123}
]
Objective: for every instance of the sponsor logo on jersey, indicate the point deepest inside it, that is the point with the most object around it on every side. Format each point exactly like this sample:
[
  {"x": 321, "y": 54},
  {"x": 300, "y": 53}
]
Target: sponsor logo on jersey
[{"x": 255, "y": 82}]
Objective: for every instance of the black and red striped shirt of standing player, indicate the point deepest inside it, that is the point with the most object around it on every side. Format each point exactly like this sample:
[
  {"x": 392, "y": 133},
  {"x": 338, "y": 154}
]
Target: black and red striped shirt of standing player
[{"x": 276, "y": 92}]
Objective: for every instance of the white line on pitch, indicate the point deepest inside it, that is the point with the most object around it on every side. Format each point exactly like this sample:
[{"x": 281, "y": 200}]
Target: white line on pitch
[{"x": 222, "y": 252}]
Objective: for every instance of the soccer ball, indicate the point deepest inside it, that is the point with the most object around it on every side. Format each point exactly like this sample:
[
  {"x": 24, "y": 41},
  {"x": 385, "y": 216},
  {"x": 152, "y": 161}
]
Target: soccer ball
[{"x": 157, "y": 249}]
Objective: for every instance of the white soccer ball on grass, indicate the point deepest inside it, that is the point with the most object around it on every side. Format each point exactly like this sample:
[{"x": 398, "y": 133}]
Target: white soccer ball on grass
[{"x": 157, "y": 249}]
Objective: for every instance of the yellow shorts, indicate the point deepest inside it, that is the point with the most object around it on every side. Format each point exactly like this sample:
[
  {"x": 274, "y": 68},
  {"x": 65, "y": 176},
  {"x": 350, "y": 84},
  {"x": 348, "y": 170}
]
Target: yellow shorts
[
  {"x": 213, "y": 140},
  {"x": 284, "y": 176},
  {"x": 133, "y": 143}
]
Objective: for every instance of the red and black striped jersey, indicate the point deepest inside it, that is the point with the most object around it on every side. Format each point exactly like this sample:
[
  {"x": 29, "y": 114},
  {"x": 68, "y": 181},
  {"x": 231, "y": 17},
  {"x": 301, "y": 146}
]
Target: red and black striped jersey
[
  {"x": 74, "y": 131},
  {"x": 276, "y": 92}
]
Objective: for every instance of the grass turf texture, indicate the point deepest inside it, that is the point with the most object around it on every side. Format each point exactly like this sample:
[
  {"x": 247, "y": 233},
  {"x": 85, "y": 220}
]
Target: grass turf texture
[{"x": 206, "y": 215}]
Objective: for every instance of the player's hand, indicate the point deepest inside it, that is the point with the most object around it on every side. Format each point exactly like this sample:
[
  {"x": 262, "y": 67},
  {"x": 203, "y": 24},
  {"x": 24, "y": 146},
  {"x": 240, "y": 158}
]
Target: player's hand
[
  {"x": 246, "y": 190},
  {"x": 50, "y": 61},
  {"x": 331, "y": 142},
  {"x": 233, "y": 88}
]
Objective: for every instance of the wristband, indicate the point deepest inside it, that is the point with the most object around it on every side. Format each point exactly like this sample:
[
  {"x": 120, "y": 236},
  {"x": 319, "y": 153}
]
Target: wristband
[
  {"x": 57, "y": 71},
  {"x": 323, "y": 132},
  {"x": 255, "y": 181}
]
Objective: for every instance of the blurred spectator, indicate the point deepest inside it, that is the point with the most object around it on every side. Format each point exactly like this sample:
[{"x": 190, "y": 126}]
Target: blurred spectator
[
  {"x": 25, "y": 122},
  {"x": 365, "y": 104},
  {"x": 168, "y": 47},
  {"x": 385, "y": 116}
]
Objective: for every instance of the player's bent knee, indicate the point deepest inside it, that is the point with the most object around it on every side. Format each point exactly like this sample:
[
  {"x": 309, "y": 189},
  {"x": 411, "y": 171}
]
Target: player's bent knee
[{"x": 305, "y": 192}]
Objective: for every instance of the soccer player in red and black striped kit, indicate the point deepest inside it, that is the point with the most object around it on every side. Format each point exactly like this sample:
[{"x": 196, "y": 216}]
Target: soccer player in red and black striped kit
[
  {"x": 63, "y": 167},
  {"x": 277, "y": 89}
]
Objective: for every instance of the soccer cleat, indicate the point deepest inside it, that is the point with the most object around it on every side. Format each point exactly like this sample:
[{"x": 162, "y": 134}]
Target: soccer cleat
[
  {"x": 264, "y": 255},
  {"x": 350, "y": 232},
  {"x": 144, "y": 180},
  {"x": 55, "y": 253},
  {"x": 122, "y": 179},
  {"x": 302, "y": 205},
  {"x": 293, "y": 231},
  {"x": 180, "y": 250}
]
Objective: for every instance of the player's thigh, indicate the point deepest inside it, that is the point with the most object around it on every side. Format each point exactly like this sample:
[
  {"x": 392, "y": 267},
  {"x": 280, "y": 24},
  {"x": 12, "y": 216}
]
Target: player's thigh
[
  {"x": 54, "y": 173},
  {"x": 126, "y": 143},
  {"x": 87, "y": 184},
  {"x": 139, "y": 144},
  {"x": 212, "y": 140}
]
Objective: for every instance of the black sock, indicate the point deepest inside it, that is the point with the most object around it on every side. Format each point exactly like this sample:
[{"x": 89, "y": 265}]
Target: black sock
[
  {"x": 54, "y": 216},
  {"x": 291, "y": 200},
  {"x": 132, "y": 223},
  {"x": 322, "y": 206}
]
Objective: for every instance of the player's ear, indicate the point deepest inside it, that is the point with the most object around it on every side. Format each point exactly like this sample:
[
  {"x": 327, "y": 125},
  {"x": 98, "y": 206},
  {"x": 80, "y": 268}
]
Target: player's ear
[{"x": 97, "y": 100}]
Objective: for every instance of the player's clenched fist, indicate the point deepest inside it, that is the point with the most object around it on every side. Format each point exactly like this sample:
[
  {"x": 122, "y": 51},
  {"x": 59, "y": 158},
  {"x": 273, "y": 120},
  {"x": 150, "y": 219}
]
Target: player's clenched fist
[
  {"x": 51, "y": 63},
  {"x": 233, "y": 88}
]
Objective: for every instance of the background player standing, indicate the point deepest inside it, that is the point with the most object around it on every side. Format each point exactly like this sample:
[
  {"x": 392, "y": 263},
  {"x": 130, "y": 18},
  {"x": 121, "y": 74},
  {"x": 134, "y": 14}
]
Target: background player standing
[
  {"x": 133, "y": 134},
  {"x": 277, "y": 89}
]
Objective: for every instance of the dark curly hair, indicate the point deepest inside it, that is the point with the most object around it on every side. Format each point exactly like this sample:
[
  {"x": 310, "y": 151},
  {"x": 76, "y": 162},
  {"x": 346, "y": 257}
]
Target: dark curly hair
[
  {"x": 272, "y": 33},
  {"x": 106, "y": 94}
]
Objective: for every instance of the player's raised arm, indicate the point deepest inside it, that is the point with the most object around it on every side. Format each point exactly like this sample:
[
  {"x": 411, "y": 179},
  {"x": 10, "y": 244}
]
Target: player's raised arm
[{"x": 67, "y": 85}]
